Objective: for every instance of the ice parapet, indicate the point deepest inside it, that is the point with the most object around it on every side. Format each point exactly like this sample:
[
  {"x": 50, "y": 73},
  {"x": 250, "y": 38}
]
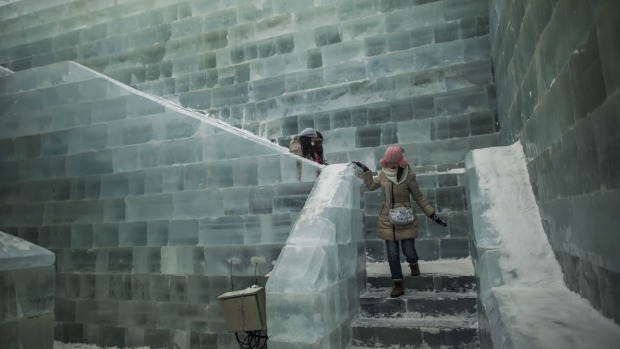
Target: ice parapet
[
  {"x": 313, "y": 289},
  {"x": 521, "y": 289}
]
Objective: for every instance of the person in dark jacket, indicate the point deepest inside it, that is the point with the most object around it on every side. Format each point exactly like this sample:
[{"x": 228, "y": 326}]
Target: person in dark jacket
[{"x": 398, "y": 182}]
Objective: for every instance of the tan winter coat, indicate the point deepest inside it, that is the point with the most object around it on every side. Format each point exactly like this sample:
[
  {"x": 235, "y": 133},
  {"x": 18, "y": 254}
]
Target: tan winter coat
[{"x": 409, "y": 186}]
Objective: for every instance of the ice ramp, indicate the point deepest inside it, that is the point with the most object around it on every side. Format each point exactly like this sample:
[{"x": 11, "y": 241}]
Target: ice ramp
[
  {"x": 524, "y": 302},
  {"x": 152, "y": 210}
]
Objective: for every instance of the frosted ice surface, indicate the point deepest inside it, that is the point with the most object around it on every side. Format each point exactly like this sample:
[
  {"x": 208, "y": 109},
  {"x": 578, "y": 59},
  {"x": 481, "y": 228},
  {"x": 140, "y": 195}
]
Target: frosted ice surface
[
  {"x": 130, "y": 132},
  {"x": 343, "y": 52},
  {"x": 261, "y": 200},
  {"x": 224, "y": 261},
  {"x": 180, "y": 151},
  {"x": 269, "y": 171},
  {"x": 169, "y": 255},
  {"x": 308, "y": 273},
  {"x": 394, "y": 63},
  {"x": 34, "y": 290},
  {"x": 151, "y": 207},
  {"x": 338, "y": 191},
  {"x": 345, "y": 195},
  {"x": 288, "y": 166},
  {"x": 245, "y": 172},
  {"x": 219, "y": 174},
  {"x": 276, "y": 228},
  {"x": 313, "y": 232},
  {"x": 253, "y": 230},
  {"x": 200, "y": 203},
  {"x": 17, "y": 253},
  {"x": 309, "y": 171},
  {"x": 490, "y": 272},
  {"x": 414, "y": 131},
  {"x": 236, "y": 201},
  {"x": 416, "y": 16},
  {"x": 339, "y": 139},
  {"x": 183, "y": 232},
  {"x": 191, "y": 260},
  {"x": 300, "y": 328},
  {"x": 226, "y": 230}
]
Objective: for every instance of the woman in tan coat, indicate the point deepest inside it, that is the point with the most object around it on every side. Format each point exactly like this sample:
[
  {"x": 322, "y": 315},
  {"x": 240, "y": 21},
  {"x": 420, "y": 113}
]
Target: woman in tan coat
[{"x": 397, "y": 182}]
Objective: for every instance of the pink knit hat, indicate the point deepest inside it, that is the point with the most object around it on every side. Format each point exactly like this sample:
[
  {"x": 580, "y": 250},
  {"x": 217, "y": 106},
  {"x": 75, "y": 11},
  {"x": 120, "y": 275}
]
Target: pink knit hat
[{"x": 394, "y": 154}]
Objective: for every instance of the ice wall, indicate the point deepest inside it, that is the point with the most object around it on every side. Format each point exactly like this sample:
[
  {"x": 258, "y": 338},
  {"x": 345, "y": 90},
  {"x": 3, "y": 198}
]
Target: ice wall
[
  {"x": 558, "y": 83},
  {"x": 27, "y": 277},
  {"x": 366, "y": 73},
  {"x": 149, "y": 208}
]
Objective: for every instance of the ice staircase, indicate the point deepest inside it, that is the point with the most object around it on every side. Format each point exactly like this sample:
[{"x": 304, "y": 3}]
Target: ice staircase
[
  {"x": 448, "y": 109},
  {"x": 439, "y": 308}
]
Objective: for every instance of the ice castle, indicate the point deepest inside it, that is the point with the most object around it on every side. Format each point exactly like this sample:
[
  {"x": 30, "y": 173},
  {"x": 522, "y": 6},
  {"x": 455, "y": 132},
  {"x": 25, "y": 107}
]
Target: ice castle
[{"x": 144, "y": 170}]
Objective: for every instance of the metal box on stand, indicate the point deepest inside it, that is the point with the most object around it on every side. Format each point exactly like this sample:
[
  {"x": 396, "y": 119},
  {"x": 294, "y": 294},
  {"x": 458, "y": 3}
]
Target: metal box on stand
[{"x": 244, "y": 310}]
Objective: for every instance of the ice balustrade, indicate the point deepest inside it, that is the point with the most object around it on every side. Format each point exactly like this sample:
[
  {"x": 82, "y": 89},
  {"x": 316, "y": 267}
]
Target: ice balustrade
[
  {"x": 313, "y": 290},
  {"x": 520, "y": 285}
]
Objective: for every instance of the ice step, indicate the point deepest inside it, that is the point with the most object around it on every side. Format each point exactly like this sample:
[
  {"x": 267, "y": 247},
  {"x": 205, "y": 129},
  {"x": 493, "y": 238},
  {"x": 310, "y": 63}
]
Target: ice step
[
  {"x": 415, "y": 303},
  {"x": 423, "y": 332},
  {"x": 447, "y": 275}
]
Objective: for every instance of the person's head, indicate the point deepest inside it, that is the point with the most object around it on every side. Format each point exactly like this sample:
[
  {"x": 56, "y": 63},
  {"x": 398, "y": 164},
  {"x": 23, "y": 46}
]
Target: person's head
[
  {"x": 306, "y": 137},
  {"x": 393, "y": 158}
]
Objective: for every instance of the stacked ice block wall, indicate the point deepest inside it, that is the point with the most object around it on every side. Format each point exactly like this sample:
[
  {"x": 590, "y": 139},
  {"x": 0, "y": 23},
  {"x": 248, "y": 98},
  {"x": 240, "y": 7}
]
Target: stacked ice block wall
[
  {"x": 26, "y": 294},
  {"x": 558, "y": 83},
  {"x": 149, "y": 208},
  {"x": 366, "y": 73},
  {"x": 313, "y": 291}
]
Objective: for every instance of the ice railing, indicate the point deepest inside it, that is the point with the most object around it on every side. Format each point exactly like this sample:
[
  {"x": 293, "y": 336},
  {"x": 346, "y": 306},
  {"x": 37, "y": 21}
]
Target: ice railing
[{"x": 314, "y": 288}]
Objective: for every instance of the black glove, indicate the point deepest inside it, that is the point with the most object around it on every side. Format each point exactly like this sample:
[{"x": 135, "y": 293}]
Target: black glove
[
  {"x": 362, "y": 166},
  {"x": 438, "y": 220}
]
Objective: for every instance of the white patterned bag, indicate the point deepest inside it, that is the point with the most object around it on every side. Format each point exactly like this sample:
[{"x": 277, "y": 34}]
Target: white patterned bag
[{"x": 401, "y": 215}]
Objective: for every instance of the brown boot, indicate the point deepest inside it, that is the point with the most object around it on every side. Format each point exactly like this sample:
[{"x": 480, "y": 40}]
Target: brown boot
[
  {"x": 399, "y": 289},
  {"x": 415, "y": 269}
]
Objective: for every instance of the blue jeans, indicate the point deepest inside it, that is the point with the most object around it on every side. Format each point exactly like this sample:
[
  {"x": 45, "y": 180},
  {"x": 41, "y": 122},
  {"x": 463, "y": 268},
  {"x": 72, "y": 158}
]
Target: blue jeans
[{"x": 411, "y": 256}]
